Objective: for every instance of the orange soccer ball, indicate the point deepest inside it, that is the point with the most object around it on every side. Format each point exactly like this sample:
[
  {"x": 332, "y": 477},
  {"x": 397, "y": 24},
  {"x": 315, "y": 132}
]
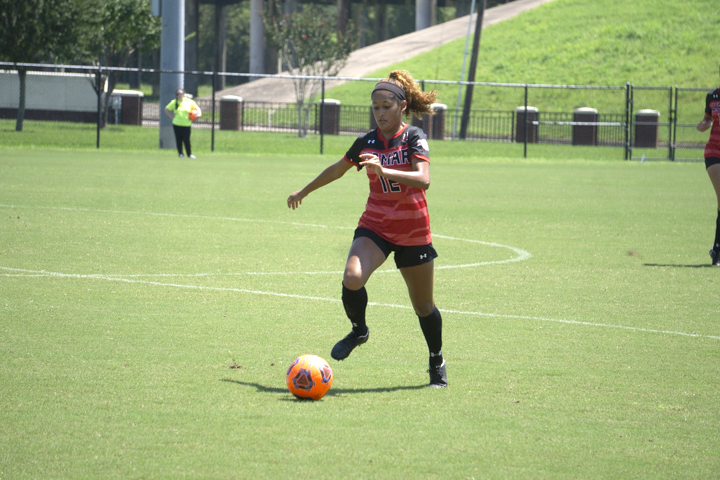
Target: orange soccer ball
[
  {"x": 309, "y": 377},
  {"x": 193, "y": 115}
]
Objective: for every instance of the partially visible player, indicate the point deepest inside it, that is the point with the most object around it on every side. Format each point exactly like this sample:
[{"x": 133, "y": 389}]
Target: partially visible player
[
  {"x": 396, "y": 159},
  {"x": 712, "y": 159}
]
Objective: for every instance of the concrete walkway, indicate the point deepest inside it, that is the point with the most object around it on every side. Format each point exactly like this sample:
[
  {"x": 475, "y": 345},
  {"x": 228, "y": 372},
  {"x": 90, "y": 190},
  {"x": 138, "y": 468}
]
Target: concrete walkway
[{"x": 377, "y": 56}]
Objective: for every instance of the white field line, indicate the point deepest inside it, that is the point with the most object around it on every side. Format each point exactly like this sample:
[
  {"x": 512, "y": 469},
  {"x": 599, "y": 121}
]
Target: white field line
[
  {"x": 325, "y": 299},
  {"x": 521, "y": 255}
]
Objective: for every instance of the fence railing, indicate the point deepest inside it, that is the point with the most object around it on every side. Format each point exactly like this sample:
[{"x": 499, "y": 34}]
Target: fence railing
[{"x": 645, "y": 122}]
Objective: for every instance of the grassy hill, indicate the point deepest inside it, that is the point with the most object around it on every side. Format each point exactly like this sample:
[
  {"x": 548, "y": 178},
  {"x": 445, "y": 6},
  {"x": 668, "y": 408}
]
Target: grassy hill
[{"x": 583, "y": 42}]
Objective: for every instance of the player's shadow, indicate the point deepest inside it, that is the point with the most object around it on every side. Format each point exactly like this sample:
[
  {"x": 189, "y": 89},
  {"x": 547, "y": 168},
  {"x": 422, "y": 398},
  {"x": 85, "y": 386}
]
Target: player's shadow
[
  {"x": 671, "y": 265},
  {"x": 331, "y": 392}
]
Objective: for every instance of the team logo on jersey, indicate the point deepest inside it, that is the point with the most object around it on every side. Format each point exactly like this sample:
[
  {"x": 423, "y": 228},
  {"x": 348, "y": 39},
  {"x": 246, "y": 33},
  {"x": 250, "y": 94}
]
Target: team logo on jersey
[
  {"x": 405, "y": 137},
  {"x": 423, "y": 143}
]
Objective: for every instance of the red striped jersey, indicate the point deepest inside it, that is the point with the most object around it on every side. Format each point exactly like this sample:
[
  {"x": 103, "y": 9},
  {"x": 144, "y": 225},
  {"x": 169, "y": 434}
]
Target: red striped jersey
[
  {"x": 396, "y": 212},
  {"x": 712, "y": 109}
]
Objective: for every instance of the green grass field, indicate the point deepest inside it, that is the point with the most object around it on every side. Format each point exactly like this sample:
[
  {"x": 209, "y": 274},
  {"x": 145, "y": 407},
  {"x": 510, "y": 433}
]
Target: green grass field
[{"x": 150, "y": 307}]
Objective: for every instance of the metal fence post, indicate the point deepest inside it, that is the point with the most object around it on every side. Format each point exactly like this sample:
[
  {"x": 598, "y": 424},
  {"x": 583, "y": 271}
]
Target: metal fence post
[
  {"x": 674, "y": 135},
  {"x": 525, "y": 119},
  {"x": 322, "y": 114},
  {"x": 212, "y": 124},
  {"x": 671, "y": 139},
  {"x": 628, "y": 116},
  {"x": 98, "y": 78}
]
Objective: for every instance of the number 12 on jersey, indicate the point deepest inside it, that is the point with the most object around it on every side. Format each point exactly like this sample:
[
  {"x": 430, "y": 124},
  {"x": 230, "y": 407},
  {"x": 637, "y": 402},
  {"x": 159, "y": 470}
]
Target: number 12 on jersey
[{"x": 389, "y": 186}]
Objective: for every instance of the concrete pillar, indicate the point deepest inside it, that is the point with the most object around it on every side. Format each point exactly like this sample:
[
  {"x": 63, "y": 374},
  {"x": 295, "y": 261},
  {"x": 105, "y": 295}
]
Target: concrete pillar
[
  {"x": 257, "y": 37},
  {"x": 423, "y": 15},
  {"x": 172, "y": 57}
]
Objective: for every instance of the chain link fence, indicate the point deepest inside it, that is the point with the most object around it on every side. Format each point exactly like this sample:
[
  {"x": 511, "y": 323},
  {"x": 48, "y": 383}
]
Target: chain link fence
[{"x": 64, "y": 107}]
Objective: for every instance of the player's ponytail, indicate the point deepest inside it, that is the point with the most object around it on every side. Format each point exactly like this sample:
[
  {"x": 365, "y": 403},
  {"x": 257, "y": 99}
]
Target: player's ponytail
[
  {"x": 177, "y": 104},
  {"x": 418, "y": 102}
]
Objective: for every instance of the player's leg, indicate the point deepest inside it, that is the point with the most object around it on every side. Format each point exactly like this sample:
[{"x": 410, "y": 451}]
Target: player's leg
[
  {"x": 364, "y": 258},
  {"x": 178, "y": 139},
  {"x": 419, "y": 280},
  {"x": 188, "y": 149},
  {"x": 714, "y": 173}
]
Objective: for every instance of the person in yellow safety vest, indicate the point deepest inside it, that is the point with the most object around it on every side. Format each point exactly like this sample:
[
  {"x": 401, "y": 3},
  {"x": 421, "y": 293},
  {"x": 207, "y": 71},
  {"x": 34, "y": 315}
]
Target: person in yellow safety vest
[{"x": 183, "y": 112}]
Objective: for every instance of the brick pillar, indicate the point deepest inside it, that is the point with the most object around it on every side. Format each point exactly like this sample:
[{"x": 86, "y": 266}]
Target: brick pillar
[
  {"x": 231, "y": 113},
  {"x": 532, "y": 116},
  {"x": 585, "y": 134},
  {"x": 331, "y": 116},
  {"x": 131, "y": 106},
  {"x": 646, "y": 128},
  {"x": 438, "y": 126}
]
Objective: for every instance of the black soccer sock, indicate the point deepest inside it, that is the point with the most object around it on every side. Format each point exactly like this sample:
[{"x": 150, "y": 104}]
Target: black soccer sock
[
  {"x": 355, "y": 302},
  {"x": 716, "y": 246},
  {"x": 432, "y": 329}
]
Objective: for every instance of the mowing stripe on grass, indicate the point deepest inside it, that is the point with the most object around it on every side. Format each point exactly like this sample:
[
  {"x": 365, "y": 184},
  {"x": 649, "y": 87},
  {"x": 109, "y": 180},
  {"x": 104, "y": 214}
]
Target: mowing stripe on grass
[
  {"x": 521, "y": 254},
  {"x": 43, "y": 273}
]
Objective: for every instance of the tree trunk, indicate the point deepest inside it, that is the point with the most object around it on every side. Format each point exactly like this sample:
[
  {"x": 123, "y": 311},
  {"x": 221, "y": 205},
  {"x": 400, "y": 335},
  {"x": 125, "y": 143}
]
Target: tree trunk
[
  {"x": 306, "y": 119},
  {"x": 300, "y": 118},
  {"x": 112, "y": 81},
  {"x": 22, "y": 76},
  {"x": 220, "y": 45},
  {"x": 344, "y": 7}
]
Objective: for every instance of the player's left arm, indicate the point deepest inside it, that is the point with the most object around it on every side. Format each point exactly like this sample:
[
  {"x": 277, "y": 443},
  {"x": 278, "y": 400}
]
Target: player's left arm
[{"x": 418, "y": 177}]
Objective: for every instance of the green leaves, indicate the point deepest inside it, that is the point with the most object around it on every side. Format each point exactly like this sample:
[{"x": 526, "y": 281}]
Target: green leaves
[
  {"x": 37, "y": 30},
  {"x": 118, "y": 27},
  {"x": 307, "y": 41},
  {"x": 308, "y": 44}
]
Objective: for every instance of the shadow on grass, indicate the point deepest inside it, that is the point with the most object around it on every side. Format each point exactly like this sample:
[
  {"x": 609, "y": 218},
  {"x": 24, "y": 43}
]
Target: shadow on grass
[
  {"x": 705, "y": 265},
  {"x": 331, "y": 392}
]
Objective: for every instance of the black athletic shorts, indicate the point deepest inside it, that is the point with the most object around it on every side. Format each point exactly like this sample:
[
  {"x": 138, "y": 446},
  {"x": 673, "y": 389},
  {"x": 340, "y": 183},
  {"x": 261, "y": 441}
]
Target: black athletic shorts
[
  {"x": 710, "y": 161},
  {"x": 404, "y": 256}
]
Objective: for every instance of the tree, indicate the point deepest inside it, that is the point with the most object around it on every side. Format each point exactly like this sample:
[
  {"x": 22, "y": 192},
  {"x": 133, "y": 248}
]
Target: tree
[
  {"x": 115, "y": 29},
  {"x": 308, "y": 45},
  {"x": 36, "y": 31}
]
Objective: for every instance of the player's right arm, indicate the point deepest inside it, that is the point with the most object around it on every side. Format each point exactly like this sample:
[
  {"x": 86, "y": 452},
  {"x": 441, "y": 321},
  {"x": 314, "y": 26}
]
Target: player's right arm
[
  {"x": 704, "y": 124},
  {"x": 707, "y": 120},
  {"x": 329, "y": 175}
]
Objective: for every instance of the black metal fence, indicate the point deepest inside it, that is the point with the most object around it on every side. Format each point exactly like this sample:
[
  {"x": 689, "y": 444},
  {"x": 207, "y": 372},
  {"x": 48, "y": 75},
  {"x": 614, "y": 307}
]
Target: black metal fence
[{"x": 64, "y": 107}]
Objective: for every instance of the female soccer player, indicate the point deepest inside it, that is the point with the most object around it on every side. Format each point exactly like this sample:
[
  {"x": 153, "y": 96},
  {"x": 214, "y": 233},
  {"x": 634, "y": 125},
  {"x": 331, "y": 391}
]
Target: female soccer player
[
  {"x": 179, "y": 110},
  {"x": 396, "y": 219},
  {"x": 712, "y": 159}
]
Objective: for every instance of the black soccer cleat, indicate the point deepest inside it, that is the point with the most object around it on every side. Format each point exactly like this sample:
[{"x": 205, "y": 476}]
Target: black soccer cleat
[
  {"x": 344, "y": 347},
  {"x": 715, "y": 258},
  {"x": 438, "y": 376}
]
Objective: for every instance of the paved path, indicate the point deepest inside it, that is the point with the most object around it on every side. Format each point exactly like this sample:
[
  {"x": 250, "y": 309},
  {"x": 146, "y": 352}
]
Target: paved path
[{"x": 374, "y": 57}]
